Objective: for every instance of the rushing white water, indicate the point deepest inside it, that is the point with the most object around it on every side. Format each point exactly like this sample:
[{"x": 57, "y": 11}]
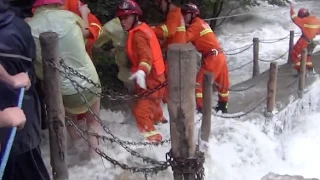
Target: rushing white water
[{"x": 238, "y": 150}]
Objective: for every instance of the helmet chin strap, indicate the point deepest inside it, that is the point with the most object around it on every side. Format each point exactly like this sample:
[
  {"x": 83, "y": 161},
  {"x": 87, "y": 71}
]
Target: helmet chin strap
[{"x": 134, "y": 22}]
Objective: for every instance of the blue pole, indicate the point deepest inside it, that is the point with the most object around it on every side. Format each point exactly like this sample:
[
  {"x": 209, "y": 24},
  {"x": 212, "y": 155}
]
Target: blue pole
[{"x": 11, "y": 139}]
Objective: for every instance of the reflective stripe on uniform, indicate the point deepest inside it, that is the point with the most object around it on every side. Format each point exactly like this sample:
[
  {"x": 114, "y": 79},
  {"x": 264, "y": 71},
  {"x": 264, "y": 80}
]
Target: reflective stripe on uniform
[
  {"x": 150, "y": 133},
  {"x": 165, "y": 30},
  {"x": 97, "y": 25},
  {"x": 311, "y": 26},
  {"x": 146, "y": 65},
  {"x": 205, "y": 31},
  {"x": 224, "y": 94},
  {"x": 298, "y": 64},
  {"x": 181, "y": 29},
  {"x": 199, "y": 95},
  {"x": 293, "y": 16}
]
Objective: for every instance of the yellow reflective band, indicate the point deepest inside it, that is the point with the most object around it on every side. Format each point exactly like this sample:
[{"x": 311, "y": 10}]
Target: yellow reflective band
[
  {"x": 146, "y": 65},
  {"x": 309, "y": 63},
  {"x": 296, "y": 64},
  {"x": 150, "y": 133},
  {"x": 205, "y": 31},
  {"x": 224, "y": 94},
  {"x": 181, "y": 29},
  {"x": 165, "y": 30},
  {"x": 293, "y": 16},
  {"x": 199, "y": 95},
  {"x": 97, "y": 25},
  {"x": 311, "y": 26}
]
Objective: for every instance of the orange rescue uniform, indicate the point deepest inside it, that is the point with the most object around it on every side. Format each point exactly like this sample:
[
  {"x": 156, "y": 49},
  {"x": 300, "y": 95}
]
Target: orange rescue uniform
[
  {"x": 213, "y": 59},
  {"x": 310, "y": 27},
  {"x": 94, "y": 28},
  {"x": 144, "y": 52},
  {"x": 172, "y": 31}
]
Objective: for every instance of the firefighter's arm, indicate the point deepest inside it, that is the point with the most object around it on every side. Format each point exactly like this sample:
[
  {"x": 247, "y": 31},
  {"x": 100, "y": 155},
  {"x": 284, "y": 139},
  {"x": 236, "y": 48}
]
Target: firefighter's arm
[
  {"x": 193, "y": 32},
  {"x": 298, "y": 21},
  {"x": 94, "y": 27},
  {"x": 169, "y": 28},
  {"x": 142, "y": 51}
]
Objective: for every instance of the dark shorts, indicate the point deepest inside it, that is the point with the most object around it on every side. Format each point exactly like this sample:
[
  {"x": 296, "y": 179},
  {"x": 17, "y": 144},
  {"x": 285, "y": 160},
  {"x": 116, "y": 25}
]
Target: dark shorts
[{"x": 27, "y": 166}]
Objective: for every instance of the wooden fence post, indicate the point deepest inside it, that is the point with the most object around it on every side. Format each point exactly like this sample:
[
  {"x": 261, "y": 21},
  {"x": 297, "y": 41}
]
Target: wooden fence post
[
  {"x": 182, "y": 62},
  {"x": 207, "y": 106},
  {"x": 302, "y": 75},
  {"x": 272, "y": 87},
  {"x": 256, "y": 69},
  {"x": 291, "y": 40},
  {"x": 56, "y": 115}
]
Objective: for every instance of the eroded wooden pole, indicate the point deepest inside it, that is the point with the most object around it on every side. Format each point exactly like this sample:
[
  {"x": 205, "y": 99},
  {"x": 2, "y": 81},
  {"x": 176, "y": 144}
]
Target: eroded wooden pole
[
  {"x": 207, "y": 106},
  {"x": 302, "y": 75},
  {"x": 272, "y": 87},
  {"x": 53, "y": 97},
  {"x": 182, "y": 63},
  {"x": 291, "y": 41},
  {"x": 256, "y": 68}
]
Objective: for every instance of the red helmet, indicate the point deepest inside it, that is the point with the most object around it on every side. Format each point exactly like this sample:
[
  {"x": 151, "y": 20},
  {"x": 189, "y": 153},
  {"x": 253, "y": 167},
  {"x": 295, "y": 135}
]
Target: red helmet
[
  {"x": 303, "y": 12},
  {"x": 190, "y": 8},
  {"x": 128, "y": 7}
]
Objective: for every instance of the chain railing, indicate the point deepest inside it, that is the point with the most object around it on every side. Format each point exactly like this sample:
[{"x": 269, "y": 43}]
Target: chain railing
[{"x": 154, "y": 165}]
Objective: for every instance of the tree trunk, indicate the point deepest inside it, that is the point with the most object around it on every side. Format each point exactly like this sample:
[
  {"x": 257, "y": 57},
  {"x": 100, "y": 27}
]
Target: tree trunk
[{"x": 217, "y": 8}]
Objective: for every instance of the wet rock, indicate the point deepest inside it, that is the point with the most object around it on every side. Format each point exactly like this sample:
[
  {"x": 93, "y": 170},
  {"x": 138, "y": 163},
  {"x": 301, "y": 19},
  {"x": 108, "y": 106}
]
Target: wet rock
[{"x": 273, "y": 176}]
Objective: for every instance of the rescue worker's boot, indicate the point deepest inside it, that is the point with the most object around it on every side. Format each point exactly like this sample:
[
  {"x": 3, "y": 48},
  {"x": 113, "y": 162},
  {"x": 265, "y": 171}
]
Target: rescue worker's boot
[
  {"x": 310, "y": 71},
  {"x": 153, "y": 136},
  {"x": 163, "y": 120},
  {"x": 222, "y": 106}
]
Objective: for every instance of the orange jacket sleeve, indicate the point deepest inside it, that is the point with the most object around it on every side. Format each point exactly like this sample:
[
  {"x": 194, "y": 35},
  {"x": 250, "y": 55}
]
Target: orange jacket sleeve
[
  {"x": 298, "y": 21},
  {"x": 169, "y": 28},
  {"x": 94, "y": 27},
  {"x": 193, "y": 32},
  {"x": 142, "y": 50}
]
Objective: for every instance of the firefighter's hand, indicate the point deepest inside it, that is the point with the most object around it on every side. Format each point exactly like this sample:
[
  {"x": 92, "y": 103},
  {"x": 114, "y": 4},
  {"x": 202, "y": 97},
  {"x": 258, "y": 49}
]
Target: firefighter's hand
[
  {"x": 20, "y": 80},
  {"x": 140, "y": 77},
  {"x": 83, "y": 9},
  {"x": 13, "y": 117}
]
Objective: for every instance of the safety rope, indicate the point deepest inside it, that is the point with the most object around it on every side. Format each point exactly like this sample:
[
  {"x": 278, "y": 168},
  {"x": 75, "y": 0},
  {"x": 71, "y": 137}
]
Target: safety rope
[{"x": 9, "y": 144}]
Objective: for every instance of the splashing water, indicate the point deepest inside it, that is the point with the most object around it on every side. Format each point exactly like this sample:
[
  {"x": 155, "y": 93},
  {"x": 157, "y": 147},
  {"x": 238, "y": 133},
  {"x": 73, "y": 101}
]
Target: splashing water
[{"x": 238, "y": 150}]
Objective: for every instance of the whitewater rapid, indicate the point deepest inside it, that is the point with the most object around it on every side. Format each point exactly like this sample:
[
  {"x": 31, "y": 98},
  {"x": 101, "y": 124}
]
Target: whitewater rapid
[{"x": 239, "y": 150}]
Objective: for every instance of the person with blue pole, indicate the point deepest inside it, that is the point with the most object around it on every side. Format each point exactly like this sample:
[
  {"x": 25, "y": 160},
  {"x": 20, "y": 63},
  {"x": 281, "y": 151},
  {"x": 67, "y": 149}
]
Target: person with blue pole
[{"x": 17, "y": 53}]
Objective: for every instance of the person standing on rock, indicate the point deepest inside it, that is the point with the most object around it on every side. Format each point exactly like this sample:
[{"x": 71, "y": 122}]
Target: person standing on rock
[
  {"x": 213, "y": 58},
  {"x": 147, "y": 68},
  {"x": 310, "y": 27}
]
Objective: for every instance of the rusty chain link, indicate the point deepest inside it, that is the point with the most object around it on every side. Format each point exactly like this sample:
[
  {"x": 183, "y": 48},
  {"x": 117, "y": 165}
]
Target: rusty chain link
[
  {"x": 145, "y": 94},
  {"x": 154, "y": 169}
]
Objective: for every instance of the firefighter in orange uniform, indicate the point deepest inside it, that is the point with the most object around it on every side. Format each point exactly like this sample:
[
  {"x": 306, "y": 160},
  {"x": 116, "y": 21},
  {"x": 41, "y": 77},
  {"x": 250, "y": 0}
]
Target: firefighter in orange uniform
[
  {"x": 172, "y": 31},
  {"x": 214, "y": 59},
  {"x": 93, "y": 30},
  {"x": 310, "y": 27},
  {"x": 147, "y": 67}
]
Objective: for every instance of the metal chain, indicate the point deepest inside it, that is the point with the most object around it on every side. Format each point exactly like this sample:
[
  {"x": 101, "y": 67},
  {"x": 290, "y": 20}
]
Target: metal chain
[
  {"x": 154, "y": 169},
  {"x": 190, "y": 166},
  {"x": 145, "y": 94},
  {"x": 107, "y": 130}
]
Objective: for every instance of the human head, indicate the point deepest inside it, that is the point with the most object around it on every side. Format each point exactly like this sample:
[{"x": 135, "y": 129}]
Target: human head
[
  {"x": 39, "y": 3},
  {"x": 303, "y": 12},
  {"x": 189, "y": 12},
  {"x": 128, "y": 12},
  {"x": 164, "y": 5}
]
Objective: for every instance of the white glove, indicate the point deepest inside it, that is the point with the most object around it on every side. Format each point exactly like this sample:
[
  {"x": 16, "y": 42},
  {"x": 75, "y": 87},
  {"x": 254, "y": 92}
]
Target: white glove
[{"x": 140, "y": 76}]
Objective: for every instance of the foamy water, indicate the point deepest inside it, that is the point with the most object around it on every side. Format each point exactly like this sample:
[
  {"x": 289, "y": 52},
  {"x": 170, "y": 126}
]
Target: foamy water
[{"x": 239, "y": 150}]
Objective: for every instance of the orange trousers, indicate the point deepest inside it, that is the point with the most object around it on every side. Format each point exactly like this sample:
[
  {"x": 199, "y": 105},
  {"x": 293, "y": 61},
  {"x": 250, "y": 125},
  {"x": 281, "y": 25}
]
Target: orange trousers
[
  {"x": 218, "y": 66},
  {"x": 148, "y": 110},
  {"x": 296, "y": 54}
]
